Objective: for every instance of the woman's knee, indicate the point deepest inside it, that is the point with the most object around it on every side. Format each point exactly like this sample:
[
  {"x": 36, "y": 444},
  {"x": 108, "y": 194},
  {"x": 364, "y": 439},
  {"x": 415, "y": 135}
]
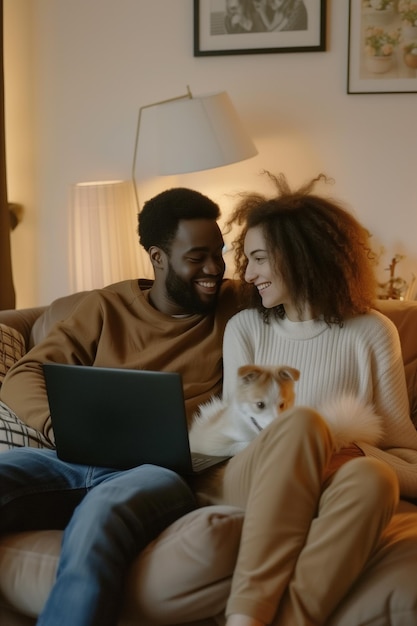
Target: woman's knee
[
  {"x": 300, "y": 424},
  {"x": 373, "y": 481}
]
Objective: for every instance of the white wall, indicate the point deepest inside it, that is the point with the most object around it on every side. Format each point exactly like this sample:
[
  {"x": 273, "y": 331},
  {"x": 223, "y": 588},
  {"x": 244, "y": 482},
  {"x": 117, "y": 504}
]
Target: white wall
[{"x": 78, "y": 70}]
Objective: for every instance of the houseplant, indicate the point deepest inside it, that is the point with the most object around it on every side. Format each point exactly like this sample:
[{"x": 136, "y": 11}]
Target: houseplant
[{"x": 395, "y": 287}]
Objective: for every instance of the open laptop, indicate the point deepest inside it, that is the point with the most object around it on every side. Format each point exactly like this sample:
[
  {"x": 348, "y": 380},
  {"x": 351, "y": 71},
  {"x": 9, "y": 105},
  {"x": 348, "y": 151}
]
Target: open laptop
[{"x": 121, "y": 418}]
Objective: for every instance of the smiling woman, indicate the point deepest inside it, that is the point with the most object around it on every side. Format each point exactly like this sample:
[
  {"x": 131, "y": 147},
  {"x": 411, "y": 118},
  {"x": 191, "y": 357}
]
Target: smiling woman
[{"x": 306, "y": 260}]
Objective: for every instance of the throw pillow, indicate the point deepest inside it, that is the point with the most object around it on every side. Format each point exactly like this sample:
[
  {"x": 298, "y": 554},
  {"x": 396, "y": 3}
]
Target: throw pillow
[
  {"x": 12, "y": 348},
  {"x": 14, "y": 433},
  {"x": 184, "y": 575}
]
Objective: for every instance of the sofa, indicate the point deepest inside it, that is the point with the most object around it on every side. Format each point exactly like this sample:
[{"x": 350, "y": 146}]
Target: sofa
[{"x": 183, "y": 577}]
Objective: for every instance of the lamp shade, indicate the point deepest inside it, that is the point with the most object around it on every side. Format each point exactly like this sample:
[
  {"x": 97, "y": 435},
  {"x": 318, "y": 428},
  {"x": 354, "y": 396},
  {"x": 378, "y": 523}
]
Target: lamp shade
[
  {"x": 199, "y": 134},
  {"x": 189, "y": 134},
  {"x": 102, "y": 231}
]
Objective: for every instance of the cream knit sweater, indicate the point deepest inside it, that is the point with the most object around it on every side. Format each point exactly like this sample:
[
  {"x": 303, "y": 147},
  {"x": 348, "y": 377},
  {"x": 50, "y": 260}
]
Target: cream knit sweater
[{"x": 363, "y": 357}]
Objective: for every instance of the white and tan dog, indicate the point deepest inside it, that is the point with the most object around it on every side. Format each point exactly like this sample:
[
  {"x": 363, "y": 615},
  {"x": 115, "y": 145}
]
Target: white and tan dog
[{"x": 262, "y": 393}]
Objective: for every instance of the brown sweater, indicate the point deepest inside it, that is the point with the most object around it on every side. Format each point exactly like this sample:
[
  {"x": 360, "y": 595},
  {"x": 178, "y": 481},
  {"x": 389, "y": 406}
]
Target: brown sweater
[{"x": 117, "y": 327}]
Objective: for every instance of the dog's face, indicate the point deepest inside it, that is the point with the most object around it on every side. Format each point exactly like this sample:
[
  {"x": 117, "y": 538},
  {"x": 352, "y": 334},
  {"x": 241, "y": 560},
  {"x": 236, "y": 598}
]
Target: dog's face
[{"x": 264, "y": 392}]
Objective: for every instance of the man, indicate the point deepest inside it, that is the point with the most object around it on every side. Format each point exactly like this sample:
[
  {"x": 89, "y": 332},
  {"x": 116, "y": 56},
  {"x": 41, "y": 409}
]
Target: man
[{"x": 167, "y": 324}]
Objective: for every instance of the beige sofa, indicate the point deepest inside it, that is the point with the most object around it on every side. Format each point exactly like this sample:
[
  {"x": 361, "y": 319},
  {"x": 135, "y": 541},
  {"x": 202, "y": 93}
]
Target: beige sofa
[{"x": 184, "y": 575}]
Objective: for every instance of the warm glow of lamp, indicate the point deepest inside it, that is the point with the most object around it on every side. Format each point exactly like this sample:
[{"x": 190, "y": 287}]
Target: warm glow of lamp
[
  {"x": 103, "y": 240},
  {"x": 189, "y": 134}
]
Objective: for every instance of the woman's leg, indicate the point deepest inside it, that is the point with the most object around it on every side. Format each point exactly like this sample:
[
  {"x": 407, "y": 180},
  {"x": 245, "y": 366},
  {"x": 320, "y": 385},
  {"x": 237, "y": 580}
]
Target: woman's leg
[
  {"x": 118, "y": 517},
  {"x": 354, "y": 510},
  {"x": 277, "y": 479}
]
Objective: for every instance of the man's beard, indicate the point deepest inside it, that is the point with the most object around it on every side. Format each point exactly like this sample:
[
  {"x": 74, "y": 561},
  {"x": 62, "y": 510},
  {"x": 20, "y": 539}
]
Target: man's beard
[{"x": 184, "y": 294}]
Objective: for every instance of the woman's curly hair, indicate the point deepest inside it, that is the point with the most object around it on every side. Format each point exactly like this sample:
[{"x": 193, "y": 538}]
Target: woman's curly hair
[{"x": 318, "y": 248}]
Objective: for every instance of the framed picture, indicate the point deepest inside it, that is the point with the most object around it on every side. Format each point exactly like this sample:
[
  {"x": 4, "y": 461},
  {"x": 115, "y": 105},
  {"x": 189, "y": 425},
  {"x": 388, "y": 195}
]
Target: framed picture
[
  {"x": 258, "y": 26},
  {"x": 382, "y": 55}
]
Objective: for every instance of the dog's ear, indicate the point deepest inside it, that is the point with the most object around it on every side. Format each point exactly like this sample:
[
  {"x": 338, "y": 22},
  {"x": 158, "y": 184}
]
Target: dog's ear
[
  {"x": 288, "y": 373},
  {"x": 248, "y": 373}
]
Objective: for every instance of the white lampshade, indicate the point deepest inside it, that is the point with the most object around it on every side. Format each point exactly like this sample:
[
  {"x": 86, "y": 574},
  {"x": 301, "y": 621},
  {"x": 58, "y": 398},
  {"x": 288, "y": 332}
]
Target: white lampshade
[
  {"x": 199, "y": 134},
  {"x": 103, "y": 234},
  {"x": 189, "y": 134}
]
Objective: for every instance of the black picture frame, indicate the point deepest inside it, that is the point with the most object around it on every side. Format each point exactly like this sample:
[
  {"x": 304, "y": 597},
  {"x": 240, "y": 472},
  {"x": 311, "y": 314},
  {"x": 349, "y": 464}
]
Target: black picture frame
[
  {"x": 211, "y": 37},
  {"x": 369, "y": 72}
]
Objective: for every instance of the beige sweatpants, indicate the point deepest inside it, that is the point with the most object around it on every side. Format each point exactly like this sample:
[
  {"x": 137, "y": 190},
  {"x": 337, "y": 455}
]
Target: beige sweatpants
[{"x": 303, "y": 544}]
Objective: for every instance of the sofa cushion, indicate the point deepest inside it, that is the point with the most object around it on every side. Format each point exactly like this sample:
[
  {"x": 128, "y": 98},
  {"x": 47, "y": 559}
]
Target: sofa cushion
[
  {"x": 28, "y": 562},
  {"x": 193, "y": 559},
  {"x": 58, "y": 310},
  {"x": 12, "y": 348},
  {"x": 404, "y": 315},
  {"x": 185, "y": 574},
  {"x": 386, "y": 592}
]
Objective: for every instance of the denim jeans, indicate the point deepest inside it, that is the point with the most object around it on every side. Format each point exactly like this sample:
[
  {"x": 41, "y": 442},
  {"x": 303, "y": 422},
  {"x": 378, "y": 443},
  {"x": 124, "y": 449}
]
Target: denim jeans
[{"x": 108, "y": 516}]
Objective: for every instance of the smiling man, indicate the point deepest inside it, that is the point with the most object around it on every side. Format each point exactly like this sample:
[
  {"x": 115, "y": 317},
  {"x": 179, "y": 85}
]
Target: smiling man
[
  {"x": 174, "y": 323},
  {"x": 178, "y": 228}
]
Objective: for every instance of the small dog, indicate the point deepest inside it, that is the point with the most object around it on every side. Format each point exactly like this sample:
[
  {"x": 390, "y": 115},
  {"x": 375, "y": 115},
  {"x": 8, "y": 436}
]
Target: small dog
[{"x": 262, "y": 393}]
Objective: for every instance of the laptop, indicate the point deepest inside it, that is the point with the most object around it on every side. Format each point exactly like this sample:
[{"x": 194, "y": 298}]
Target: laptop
[{"x": 121, "y": 418}]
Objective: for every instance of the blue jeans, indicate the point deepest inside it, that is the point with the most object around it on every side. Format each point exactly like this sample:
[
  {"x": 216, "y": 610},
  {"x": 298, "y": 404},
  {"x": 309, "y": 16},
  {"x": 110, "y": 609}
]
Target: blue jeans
[{"x": 108, "y": 516}]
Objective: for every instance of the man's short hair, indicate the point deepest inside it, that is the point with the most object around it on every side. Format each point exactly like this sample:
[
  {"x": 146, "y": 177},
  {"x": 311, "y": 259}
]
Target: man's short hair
[{"x": 160, "y": 216}]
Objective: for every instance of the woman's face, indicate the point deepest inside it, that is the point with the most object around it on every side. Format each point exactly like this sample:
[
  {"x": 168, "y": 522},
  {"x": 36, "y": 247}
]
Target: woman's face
[{"x": 261, "y": 273}]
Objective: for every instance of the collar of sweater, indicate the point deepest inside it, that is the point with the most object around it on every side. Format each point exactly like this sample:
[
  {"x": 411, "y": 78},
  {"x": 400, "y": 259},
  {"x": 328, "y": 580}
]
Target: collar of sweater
[{"x": 300, "y": 330}]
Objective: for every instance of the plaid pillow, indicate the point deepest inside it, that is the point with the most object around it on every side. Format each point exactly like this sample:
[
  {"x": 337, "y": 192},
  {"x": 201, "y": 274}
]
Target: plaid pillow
[
  {"x": 15, "y": 434},
  {"x": 12, "y": 348}
]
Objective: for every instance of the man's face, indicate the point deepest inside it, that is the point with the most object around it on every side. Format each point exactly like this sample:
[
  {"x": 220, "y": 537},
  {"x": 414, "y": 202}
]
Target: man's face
[{"x": 195, "y": 266}]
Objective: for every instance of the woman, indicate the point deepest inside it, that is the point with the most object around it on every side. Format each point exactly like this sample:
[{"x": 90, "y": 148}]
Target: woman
[{"x": 313, "y": 517}]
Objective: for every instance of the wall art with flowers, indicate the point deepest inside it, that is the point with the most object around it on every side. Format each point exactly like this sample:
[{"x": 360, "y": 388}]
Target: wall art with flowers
[{"x": 382, "y": 46}]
